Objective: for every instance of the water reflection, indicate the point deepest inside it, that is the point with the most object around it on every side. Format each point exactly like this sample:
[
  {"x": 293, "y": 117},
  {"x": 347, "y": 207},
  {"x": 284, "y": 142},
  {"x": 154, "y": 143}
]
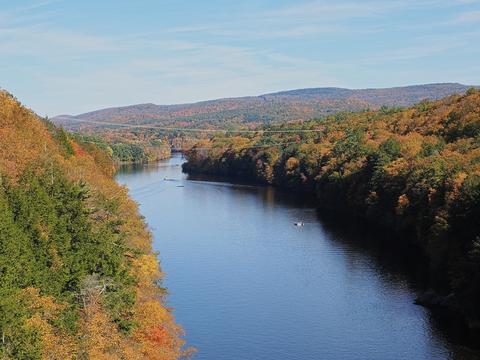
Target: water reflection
[{"x": 247, "y": 284}]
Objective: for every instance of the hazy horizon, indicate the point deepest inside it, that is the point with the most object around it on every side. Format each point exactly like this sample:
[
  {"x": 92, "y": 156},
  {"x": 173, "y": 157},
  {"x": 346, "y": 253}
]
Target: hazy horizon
[
  {"x": 255, "y": 95},
  {"x": 61, "y": 57}
]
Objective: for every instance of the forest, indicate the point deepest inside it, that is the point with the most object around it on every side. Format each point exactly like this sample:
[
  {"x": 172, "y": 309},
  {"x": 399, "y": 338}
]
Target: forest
[
  {"x": 129, "y": 148},
  {"x": 415, "y": 170},
  {"x": 252, "y": 111},
  {"x": 78, "y": 278}
]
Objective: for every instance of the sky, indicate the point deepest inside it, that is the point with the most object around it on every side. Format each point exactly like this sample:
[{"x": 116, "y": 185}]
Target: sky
[{"x": 71, "y": 56}]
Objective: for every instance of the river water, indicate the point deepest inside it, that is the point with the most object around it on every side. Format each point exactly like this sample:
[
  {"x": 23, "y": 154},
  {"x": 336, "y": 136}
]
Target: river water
[{"x": 246, "y": 284}]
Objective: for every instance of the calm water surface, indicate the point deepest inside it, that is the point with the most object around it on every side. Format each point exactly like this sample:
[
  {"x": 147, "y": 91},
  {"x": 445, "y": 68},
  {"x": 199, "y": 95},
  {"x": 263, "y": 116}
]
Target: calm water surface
[{"x": 246, "y": 284}]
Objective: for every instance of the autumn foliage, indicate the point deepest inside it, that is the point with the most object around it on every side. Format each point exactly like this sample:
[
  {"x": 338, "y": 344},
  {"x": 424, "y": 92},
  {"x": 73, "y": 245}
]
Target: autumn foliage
[
  {"x": 415, "y": 171},
  {"x": 78, "y": 279}
]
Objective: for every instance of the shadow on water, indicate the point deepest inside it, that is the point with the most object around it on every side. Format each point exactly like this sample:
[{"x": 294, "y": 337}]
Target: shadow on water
[
  {"x": 395, "y": 259},
  {"x": 151, "y": 167}
]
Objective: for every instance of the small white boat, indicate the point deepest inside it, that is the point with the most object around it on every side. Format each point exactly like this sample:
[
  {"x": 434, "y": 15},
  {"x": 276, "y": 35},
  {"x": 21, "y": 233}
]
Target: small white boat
[{"x": 299, "y": 223}]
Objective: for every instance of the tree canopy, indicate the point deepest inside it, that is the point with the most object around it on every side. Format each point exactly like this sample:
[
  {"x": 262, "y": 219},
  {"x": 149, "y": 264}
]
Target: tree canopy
[
  {"x": 78, "y": 279},
  {"x": 414, "y": 170}
]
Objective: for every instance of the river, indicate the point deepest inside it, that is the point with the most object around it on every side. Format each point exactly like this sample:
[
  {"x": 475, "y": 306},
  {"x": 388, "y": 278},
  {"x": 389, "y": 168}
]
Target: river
[{"x": 246, "y": 284}]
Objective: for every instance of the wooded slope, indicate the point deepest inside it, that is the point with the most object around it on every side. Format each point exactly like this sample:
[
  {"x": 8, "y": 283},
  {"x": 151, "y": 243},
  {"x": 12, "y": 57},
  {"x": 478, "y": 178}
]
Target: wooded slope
[
  {"x": 273, "y": 108},
  {"x": 78, "y": 279},
  {"x": 416, "y": 171}
]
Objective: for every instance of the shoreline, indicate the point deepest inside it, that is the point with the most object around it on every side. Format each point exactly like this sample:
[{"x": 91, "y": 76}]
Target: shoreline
[{"x": 431, "y": 297}]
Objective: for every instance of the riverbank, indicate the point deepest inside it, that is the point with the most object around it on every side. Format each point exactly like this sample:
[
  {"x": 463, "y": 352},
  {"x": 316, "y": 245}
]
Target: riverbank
[
  {"x": 124, "y": 150},
  {"x": 413, "y": 171},
  {"x": 143, "y": 161},
  {"x": 244, "y": 281},
  {"x": 436, "y": 298}
]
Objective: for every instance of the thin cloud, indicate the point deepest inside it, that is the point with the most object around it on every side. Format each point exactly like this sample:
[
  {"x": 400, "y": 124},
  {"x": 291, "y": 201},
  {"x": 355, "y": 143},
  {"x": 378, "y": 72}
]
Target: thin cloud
[
  {"x": 423, "y": 47},
  {"x": 307, "y": 19},
  {"x": 72, "y": 69},
  {"x": 339, "y": 10},
  {"x": 35, "y": 6},
  {"x": 467, "y": 17}
]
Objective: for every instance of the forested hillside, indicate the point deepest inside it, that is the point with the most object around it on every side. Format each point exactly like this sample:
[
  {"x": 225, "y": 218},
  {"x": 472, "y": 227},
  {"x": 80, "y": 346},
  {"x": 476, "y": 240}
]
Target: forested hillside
[
  {"x": 128, "y": 148},
  {"x": 78, "y": 279},
  {"x": 145, "y": 132},
  {"x": 416, "y": 171},
  {"x": 257, "y": 110}
]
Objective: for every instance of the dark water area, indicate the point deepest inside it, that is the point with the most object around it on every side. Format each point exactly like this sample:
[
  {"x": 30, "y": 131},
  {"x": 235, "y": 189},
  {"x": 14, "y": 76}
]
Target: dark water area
[{"x": 246, "y": 284}]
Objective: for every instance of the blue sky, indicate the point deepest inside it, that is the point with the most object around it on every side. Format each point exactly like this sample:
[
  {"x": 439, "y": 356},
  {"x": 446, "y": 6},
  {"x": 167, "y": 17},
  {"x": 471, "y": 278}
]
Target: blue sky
[{"x": 66, "y": 56}]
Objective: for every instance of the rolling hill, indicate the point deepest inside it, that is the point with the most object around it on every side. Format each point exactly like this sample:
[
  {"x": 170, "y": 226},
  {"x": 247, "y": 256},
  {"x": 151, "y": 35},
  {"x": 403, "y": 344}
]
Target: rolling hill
[
  {"x": 302, "y": 104},
  {"x": 415, "y": 171}
]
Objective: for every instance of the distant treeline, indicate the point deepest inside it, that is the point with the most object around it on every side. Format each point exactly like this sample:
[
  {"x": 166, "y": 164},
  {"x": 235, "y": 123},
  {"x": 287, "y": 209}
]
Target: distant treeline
[
  {"x": 414, "y": 170},
  {"x": 123, "y": 151},
  {"x": 255, "y": 111}
]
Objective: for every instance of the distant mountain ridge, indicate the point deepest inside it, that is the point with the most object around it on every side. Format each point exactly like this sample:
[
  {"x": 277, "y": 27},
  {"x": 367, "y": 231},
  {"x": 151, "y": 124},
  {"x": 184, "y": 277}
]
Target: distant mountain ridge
[{"x": 300, "y": 104}]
